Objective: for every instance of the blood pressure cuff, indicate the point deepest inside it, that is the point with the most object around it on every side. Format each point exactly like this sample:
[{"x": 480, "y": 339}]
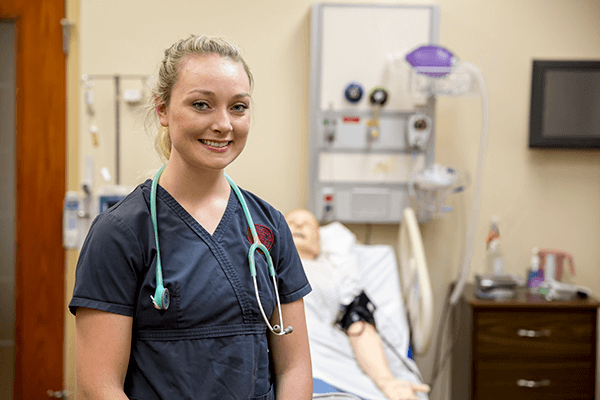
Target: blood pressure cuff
[{"x": 360, "y": 309}]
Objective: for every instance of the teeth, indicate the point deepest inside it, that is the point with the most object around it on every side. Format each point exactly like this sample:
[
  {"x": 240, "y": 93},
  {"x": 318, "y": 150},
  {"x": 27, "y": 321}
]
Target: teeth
[{"x": 214, "y": 144}]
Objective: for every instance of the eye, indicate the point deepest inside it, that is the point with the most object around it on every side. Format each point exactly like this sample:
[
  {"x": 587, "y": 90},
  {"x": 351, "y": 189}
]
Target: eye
[
  {"x": 200, "y": 105},
  {"x": 240, "y": 107}
]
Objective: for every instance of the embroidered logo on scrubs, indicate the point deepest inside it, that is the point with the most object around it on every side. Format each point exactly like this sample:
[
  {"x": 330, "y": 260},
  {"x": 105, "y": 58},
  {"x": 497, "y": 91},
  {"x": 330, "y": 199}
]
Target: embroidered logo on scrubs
[{"x": 264, "y": 234}]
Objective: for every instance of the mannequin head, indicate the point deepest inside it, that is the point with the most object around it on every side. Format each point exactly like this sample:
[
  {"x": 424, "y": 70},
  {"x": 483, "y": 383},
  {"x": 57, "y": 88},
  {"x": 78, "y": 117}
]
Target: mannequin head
[{"x": 305, "y": 231}]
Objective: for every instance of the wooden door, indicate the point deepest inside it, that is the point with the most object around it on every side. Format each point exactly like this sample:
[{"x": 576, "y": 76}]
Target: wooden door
[{"x": 40, "y": 187}]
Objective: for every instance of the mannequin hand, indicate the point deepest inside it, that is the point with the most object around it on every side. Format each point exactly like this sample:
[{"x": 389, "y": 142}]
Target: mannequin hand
[{"x": 395, "y": 389}]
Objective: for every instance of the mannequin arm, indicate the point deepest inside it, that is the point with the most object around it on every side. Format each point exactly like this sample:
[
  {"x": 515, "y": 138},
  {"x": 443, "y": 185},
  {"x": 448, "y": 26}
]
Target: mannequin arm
[{"x": 370, "y": 356}]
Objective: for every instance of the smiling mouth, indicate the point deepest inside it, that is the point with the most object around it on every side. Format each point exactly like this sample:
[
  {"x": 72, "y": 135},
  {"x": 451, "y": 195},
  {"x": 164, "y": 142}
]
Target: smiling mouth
[{"x": 212, "y": 143}]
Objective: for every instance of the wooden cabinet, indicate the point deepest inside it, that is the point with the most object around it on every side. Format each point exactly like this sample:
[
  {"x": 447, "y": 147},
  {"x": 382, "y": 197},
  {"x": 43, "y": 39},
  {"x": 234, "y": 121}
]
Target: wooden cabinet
[{"x": 524, "y": 348}]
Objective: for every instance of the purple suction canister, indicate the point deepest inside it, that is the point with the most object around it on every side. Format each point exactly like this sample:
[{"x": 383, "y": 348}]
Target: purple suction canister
[{"x": 434, "y": 57}]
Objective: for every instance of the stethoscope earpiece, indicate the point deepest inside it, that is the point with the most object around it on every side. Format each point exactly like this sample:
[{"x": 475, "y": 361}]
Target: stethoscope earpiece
[
  {"x": 162, "y": 298},
  {"x": 277, "y": 330}
]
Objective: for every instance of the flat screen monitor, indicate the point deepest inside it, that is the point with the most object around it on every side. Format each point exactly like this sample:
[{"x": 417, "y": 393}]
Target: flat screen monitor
[{"x": 565, "y": 104}]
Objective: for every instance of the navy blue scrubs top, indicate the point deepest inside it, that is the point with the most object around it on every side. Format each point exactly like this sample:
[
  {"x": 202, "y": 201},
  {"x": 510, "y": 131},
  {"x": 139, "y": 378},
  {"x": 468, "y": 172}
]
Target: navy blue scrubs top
[{"x": 212, "y": 341}]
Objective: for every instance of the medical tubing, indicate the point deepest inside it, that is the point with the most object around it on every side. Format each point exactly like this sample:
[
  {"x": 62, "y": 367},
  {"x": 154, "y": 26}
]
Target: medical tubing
[
  {"x": 262, "y": 311},
  {"x": 439, "y": 365},
  {"x": 157, "y": 298},
  {"x": 257, "y": 245},
  {"x": 255, "y": 238},
  {"x": 238, "y": 193},
  {"x": 281, "y": 330},
  {"x": 253, "y": 248},
  {"x": 438, "y": 348},
  {"x": 402, "y": 359},
  {"x": 478, "y": 179}
]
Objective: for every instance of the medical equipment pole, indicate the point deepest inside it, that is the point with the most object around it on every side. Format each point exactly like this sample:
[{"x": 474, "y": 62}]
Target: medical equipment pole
[
  {"x": 478, "y": 179},
  {"x": 117, "y": 128},
  {"x": 117, "y": 80}
]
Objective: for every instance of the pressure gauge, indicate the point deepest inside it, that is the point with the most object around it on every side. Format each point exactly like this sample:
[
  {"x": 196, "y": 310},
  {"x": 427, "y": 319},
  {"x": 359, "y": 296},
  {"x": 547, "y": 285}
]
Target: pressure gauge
[
  {"x": 353, "y": 92},
  {"x": 419, "y": 131},
  {"x": 378, "y": 96}
]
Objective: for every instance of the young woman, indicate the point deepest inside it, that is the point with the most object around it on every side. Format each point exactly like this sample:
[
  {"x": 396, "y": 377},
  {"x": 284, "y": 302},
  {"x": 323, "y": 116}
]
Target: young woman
[{"x": 206, "y": 338}]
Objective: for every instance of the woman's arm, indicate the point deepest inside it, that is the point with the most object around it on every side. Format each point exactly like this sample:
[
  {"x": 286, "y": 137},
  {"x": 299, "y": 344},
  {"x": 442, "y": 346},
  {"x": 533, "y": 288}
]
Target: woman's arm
[
  {"x": 371, "y": 358},
  {"x": 291, "y": 355},
  {"x": 103, "y": 346}
]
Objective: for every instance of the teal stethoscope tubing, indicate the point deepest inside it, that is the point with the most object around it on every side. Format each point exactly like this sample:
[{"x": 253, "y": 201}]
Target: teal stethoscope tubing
[{"x": 161, "y": 298}]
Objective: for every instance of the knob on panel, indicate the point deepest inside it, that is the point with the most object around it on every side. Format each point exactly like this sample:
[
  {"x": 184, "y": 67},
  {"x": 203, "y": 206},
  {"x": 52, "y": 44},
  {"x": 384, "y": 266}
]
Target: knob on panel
[
  {"x": 378, "y": 96},
  {"x": 353, "y": 92}
]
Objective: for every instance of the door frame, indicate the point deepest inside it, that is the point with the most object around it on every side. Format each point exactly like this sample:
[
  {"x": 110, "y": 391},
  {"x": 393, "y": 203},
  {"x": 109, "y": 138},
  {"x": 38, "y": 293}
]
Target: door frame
[{"x": 40, "y": 186}]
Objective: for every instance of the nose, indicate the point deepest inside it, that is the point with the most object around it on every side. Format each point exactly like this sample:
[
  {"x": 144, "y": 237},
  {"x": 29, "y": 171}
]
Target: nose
[{"x": 222, "y": 121}]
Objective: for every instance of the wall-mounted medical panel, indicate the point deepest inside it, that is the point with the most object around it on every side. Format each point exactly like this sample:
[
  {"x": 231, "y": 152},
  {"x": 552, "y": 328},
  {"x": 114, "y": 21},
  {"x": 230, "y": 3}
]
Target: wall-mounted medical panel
[
  {"x": 363, "y": 44},
  {"x": 388, "y": 168},
  {"x": 351, "y": 130},
  {"x": 369, "y": 132},
  {"x": 361, "y": 203}
]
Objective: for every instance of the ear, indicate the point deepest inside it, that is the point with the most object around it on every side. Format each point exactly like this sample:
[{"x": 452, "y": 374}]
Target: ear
[{"x": 162, "y": 111}]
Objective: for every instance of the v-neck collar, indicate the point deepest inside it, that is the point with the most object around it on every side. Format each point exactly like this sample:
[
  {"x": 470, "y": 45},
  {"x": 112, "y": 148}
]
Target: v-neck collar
[
  {"x": 232, "y": 203},
  {"x": 217, "y": 249}
]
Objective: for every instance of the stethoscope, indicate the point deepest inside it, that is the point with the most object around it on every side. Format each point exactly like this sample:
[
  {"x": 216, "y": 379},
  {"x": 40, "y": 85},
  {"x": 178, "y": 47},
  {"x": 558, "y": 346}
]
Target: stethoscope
[{"x": 161, "y": 298}]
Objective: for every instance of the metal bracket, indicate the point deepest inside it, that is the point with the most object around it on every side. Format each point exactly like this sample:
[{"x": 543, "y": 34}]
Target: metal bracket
[
  {"x": 66, "y": 26},
  {"x": 63, "y": 394}
]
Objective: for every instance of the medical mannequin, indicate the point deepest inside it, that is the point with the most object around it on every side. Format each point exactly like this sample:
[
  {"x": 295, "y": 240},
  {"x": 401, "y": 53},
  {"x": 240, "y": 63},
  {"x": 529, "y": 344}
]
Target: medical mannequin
[
  {"x": 205, "y": 339},
  {"x": 364, "y": 338}
]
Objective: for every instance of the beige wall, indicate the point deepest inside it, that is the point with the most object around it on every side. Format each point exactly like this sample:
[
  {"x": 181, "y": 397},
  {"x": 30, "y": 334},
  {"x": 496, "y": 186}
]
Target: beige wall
[
  {"x": 73, "y": 92},
  {"x": 548, "y": 199}
]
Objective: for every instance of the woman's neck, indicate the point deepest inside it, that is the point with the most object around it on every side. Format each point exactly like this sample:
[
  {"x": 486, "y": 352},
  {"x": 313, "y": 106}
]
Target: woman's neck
[
  {"x": 180, "y": 179},
  {"x": 204, "y": 194}
]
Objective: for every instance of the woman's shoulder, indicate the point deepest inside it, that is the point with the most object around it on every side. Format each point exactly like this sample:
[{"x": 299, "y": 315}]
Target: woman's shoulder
[
  {"x": 258, "y": 205},
  {"x": 126, "y": 226},
  {"x": 132, "y": 210}
]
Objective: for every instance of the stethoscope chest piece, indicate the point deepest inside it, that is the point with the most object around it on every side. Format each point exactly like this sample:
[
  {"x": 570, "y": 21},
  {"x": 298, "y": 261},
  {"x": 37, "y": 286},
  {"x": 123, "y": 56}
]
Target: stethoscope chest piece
[
  {"x": 161, "y": 299},
  {"x": 166, "y": 299}
]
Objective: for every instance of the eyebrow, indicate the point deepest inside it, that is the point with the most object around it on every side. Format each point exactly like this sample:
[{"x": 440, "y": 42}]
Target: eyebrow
[{"x": 209, "y": 93}]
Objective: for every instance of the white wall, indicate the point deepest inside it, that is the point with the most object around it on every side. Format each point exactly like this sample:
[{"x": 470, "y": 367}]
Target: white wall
[{"x": 544, "y": 198}]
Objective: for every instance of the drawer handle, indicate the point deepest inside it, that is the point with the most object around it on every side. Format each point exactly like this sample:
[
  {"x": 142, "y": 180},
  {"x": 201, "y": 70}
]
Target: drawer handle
[
  {"x": 533, "y": 334},
  {"x": 533, "y": 384}
]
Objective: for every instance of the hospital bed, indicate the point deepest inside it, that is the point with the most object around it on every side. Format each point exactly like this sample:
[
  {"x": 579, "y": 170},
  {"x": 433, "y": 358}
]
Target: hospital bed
[{"x": 332, "y": 355}]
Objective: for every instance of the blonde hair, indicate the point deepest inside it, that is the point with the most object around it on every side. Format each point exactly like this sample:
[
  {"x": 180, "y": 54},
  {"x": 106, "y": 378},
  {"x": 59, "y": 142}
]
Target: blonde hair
[{"x": 169, "y": 69}]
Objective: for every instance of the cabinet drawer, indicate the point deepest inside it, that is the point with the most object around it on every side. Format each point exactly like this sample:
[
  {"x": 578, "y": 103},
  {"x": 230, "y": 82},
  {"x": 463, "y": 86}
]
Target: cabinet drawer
[
  {"x": 515, "y": 381},
  {"x": 519, "y": 334}
]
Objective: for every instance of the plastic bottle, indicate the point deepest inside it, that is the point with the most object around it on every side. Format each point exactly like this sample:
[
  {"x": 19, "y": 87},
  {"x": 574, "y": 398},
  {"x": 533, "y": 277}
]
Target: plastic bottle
[
  {"x": 495, "y": 258},
  {"x": 550, "y": 268},
  {"x": 535, "y": 275},
  {"x": 494, "y": 232}
]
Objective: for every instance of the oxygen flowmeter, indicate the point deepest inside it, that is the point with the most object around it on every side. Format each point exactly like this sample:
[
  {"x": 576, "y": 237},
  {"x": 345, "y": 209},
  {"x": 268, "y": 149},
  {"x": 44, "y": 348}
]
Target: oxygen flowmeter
[{"x": 377, "y": 100}]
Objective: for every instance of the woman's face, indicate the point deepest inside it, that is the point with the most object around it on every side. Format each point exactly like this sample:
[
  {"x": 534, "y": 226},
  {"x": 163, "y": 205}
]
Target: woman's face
[
  {"x": 209, "y": 112},
  {"x": 305, "y": 231}
]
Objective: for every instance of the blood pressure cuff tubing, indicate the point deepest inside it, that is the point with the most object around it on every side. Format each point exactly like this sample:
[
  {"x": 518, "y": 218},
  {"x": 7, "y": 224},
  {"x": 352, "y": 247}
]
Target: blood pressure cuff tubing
[{"x": 360, "y": 309}]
